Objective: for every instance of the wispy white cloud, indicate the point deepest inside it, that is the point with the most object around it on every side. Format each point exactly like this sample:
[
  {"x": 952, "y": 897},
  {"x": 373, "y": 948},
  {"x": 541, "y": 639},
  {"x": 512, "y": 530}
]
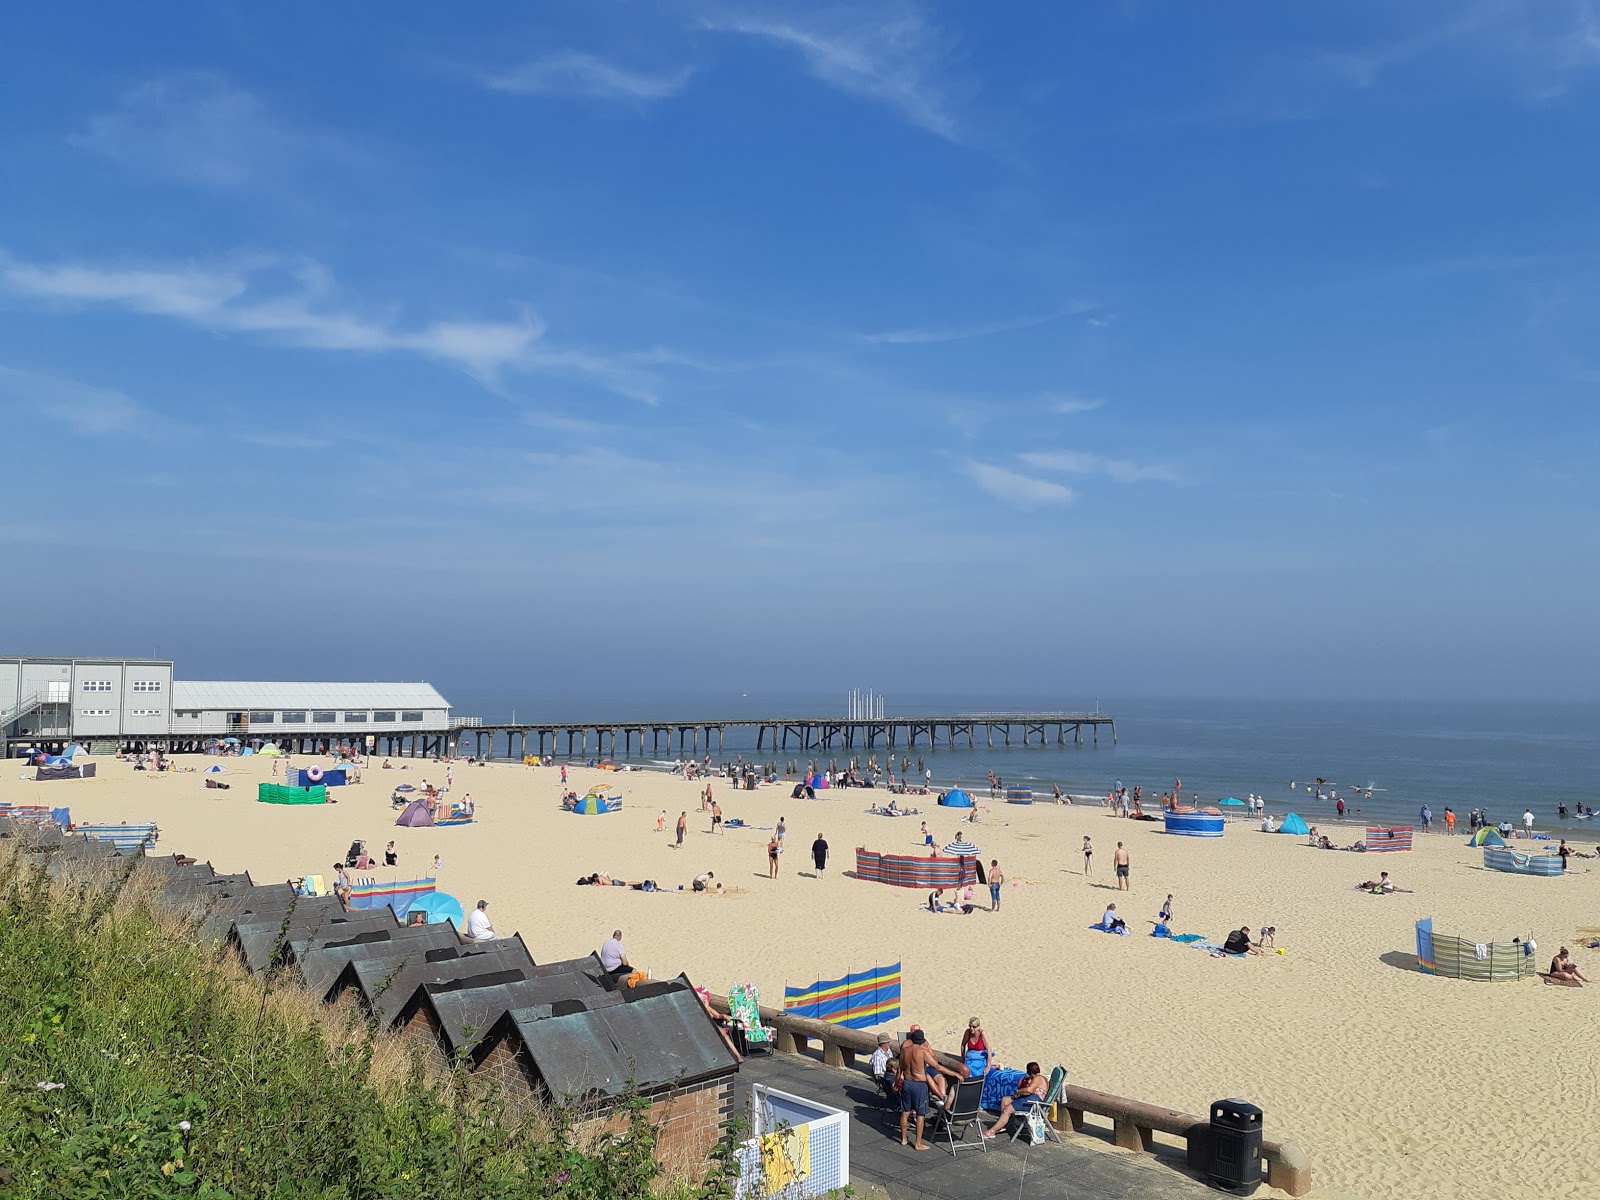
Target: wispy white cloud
[
  {"x": 895, "y": 60},
  {"x": 961, "y": 333},
  {"x": 82, "y": 407},
  {"x": 198, "y": 128},
  {"x": 572, "y": 73},
  {"x": 294, "y": 302},
  {"x": 283, "y": 441},
  {"x": 1120, "y": 470},
  {"x": 1024, "y": 491},
  {"x": 1075, "y": 404}
]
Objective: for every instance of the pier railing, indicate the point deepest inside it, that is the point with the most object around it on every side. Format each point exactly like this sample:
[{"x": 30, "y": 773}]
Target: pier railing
[{"x": 1134, "y": 1123}]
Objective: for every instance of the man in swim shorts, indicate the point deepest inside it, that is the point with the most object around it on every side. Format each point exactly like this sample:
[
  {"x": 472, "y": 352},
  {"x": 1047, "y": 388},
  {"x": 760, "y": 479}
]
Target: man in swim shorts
[
  {"x": 1120, "y": 860},
  {"x": 917, "y": 1059}
]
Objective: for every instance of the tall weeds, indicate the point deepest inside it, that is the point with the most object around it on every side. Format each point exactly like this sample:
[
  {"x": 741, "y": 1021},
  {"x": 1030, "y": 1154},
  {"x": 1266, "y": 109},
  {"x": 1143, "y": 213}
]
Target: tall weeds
[{"x": 135, "y": 1064}]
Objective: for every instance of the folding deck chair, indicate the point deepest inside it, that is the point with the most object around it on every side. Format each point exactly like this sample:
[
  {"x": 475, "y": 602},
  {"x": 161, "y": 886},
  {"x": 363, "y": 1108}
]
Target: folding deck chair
[
  {"x": 1035, "y": 1117},
  {"x": 962, "y": 1110},
  {"x": 744, "y": 1001}
]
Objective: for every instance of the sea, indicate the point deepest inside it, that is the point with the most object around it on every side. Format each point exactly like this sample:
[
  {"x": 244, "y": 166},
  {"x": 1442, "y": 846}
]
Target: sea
[{"x": 1501, "y": 757}]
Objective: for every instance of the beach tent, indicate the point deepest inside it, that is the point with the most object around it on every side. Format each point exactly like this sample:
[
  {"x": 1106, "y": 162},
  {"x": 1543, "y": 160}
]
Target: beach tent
[
  {"x": 593, "y": 804},
  {"x": 1486, "y": 836},
  {"x": 956, "y": 798},
  {"x": 440, "y": 907},
  {"x": 215, "y": 769},
  {"x": 270, "y": 750},
  {"x": 817, "y": 781},
  {"x": 416, "y": 815},
  {"x": 1293, "y": 823}
]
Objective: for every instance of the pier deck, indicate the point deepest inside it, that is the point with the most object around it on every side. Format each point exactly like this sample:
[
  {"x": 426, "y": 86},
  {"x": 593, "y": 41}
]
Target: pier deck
[{"x": 778, "y": 734}]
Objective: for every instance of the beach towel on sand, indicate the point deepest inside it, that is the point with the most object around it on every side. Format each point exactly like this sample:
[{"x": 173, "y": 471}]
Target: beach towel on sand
[{"x": 1099, "y": 928}]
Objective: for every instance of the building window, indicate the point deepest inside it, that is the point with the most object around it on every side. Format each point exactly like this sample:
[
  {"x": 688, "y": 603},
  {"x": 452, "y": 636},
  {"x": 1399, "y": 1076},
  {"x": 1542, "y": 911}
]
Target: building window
[
  {"x": 413, "y": 717},
  {"x": 144, "y": 712},
  {"x": 261, "y": 718},
  {"x": 383, "y": 716},
  {"x": 324, "y": 718},
  {"x": 97, "y": 685},
  {"x": 147, "y": 685},
  {"x": 294, "y": 718},
  {"x": 94, "y": 712},
  {"x": 354, "y": 718}
]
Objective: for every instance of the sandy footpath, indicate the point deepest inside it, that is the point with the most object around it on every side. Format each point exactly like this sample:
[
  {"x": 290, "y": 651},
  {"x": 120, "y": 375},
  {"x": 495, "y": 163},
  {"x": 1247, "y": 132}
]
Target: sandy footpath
[{"x": 1397, "y": 1084}]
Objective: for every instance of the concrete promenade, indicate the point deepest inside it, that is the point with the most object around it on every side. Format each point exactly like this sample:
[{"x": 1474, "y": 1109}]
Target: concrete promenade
[{"x": 1006, "y": 1170}]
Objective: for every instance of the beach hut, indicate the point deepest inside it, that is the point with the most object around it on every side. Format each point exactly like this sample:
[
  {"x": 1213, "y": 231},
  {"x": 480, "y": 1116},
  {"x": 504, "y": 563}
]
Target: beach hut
[
  {"x": 956, "y": 798},
  {"x": 415, "y": 816},
  {"x": 1486, "y": 836},
  {"x": 1293, "y": 823}
]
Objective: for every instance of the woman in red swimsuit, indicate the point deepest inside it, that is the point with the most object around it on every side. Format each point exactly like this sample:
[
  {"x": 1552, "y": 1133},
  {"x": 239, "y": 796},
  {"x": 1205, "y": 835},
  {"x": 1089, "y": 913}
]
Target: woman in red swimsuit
[{"x": 975, "y": 1050}]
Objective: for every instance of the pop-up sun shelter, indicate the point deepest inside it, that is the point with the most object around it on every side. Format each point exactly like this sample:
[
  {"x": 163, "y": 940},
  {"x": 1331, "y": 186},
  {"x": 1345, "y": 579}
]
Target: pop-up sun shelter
[
  {"x": 1293, "y": 823},
  {"x": 956, "y": 798},
  {"x": 1486, "y": 836},
  {"x": 594, "y": 803},
  {"x": 416, "y": 815}
]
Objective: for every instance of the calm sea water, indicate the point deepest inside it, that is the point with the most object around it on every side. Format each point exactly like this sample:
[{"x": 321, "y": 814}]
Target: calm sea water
[{"x": 1507, "y": 757}]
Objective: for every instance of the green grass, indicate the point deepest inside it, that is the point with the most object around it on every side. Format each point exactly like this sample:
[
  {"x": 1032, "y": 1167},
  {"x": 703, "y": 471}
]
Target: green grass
[{"x": 135, "y": 1064}]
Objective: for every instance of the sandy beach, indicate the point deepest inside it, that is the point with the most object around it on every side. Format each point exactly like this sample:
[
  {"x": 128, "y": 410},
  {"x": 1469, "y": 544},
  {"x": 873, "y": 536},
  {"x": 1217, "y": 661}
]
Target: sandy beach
[{"x": 1397, "y": 1084}]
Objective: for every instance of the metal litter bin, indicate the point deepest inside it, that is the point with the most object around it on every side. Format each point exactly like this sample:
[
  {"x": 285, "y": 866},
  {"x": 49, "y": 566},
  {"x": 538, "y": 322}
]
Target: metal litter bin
[{"x": 1235, "y": 1144}]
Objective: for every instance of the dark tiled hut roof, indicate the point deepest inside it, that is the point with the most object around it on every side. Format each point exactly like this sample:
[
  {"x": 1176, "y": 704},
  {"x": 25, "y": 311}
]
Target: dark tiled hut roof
[
  {"x": 388, "y": 987},
  {"x": 321, "y": 966}
]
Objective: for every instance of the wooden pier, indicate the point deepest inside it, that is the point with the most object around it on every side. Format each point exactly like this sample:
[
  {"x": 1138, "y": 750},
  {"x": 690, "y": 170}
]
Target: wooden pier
[{"x": 775, "y": 734}]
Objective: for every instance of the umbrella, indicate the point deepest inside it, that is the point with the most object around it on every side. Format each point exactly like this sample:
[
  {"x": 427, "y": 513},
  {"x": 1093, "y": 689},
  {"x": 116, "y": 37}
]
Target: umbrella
[
  {"x": 215, "y": 769},
  {"x": 961, "y": 848},
  {"x": 1231, "y": 800},
  {"x": 440, "y": 907}
]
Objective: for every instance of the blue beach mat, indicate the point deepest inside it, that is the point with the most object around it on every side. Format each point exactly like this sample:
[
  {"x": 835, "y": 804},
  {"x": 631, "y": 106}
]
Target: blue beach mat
[{"x": 1099, "y": 928}]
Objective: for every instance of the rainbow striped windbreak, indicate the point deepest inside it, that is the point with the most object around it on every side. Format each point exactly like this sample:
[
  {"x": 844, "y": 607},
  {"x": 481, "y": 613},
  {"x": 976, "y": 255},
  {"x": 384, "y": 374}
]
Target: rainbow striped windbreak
[
  {"x": 858, "y": 1000},
  {"x": 397, "y": 895}
]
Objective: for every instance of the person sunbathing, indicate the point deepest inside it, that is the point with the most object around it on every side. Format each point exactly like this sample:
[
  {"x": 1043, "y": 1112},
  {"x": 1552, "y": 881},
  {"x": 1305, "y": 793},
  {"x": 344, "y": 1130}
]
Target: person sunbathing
[
  {"x": 1030, "y": 1091},
  {"x": 1564, "y": 971}
]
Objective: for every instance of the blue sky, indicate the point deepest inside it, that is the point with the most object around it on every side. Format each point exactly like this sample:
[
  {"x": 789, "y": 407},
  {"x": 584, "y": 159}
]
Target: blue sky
[{"x": 1140, "y": 348}]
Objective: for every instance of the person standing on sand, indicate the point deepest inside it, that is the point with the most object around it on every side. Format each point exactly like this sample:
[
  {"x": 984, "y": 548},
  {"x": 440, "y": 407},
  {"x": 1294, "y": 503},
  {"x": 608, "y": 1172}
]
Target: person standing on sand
[
  {"x": 683, "y": 828},
  {"x": 1449, "y": 819},
  {"x": 917, "y": 1059},
  {"x": 1088, "y": 855},
  {"x": 1119, "y": 861},
  {"x": 773, "y": 846},
  {"x": 563, "y": 774},
  {"x": 661, "y": 821},
  {"x": 1166, "y": 911},
  {"x": 819, "y": 854},
  {"x": 997, "y": 880},
  {"x": 716, "y": 817},
  {"x": 783, "y": 831}
]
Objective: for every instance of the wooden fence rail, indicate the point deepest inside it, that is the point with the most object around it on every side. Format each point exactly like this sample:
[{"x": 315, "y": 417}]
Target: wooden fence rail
[{"x": 1134, "y": 1123}]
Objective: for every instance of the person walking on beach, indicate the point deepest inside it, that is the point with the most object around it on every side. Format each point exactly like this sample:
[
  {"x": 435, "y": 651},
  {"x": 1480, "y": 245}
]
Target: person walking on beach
[
  {"x": 783, "y": 831},
  {"x": 683, "y": 828},
  {"x": 1088, "y": 855},
  {"x": 563, "y": 774},
  {"x": 773, "y": 846},
  {"x": 716, "y": 817},
  {"x": 1165, "y": 915},
  {"x": 1527, "y": 822},
  {"x": 1425, "y": 816},
  {"x": 996, "y": 881},
  {"x": 819, "y": 854},
  {"x": 661, "y": 821},
  {"x": 1119, "y": 861}
]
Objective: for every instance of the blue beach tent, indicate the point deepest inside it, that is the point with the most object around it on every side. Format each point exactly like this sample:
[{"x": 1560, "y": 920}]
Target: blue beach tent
[
  {"x": 956, "y": 798},
  {"x": 1293, "y": 823}
]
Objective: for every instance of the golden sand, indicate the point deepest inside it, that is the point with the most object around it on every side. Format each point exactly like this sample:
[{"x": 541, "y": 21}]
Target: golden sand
[{"x": 1397, "y": 1084}]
